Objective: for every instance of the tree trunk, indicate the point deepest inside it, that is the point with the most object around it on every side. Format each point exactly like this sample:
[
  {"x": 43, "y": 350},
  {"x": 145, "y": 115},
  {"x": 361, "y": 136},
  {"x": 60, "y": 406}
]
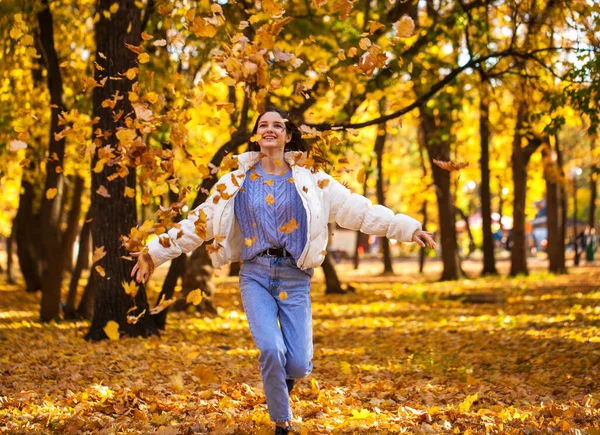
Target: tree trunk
[
  {"x": 464, "y": 217},
  {"x": 423, "y": 250},
  {"x": 520, "y": 159},
  {"x": 50, "y": 209},
  {"x": 72, "y": 230},
  {"x": 593, "y": 189},
  {"x": 10, "y": 244},
  {"x": 198, "y": 275},
  {"x": 332, "y": 282},
  {"x": 175, "y": 271},
  {"x": 115, "y": 215},
  {"x": 85, "y": 310},
  {"x": 554, "y": 212},
  {"x": 440, "y": 150},
  {"x": 361, "y": 238},
  {"x": 561, "y": 260},
  {"x": 25, "y": 232},
  {"x": 84, "y": 252},
  {"x": 379, "y": 147},
  {"x": 234, "y": 268},
  {"x": 489, "y": 262}
]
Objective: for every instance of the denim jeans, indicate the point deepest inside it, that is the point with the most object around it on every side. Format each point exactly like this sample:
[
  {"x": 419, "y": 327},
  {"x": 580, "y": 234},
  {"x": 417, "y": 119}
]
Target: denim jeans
[{"x": 274, "y": 289}]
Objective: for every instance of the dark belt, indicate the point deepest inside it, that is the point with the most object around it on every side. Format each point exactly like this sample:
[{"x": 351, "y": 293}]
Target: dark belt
[{"x": 276, "y": 252}]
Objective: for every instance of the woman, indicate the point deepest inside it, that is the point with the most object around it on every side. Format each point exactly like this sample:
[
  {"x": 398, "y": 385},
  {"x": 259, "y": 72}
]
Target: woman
[{"x": 272, "y": 213}]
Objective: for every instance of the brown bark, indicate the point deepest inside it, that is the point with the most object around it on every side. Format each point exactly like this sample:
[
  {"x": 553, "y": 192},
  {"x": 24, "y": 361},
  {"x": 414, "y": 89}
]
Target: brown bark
[
  {"x": 82, "y": 258},
  {"x": 332, "y": 282},
  {"x": 114, "y": 216},
  {"x": 361, "y": 238},
  {"x": 85, "y": 310},
  {"x": 520, "y": 159},
  {"x": 440, "y": 150},
  {"x": 489, "y": 262},
  {"x": 10, "y": 244},
  {"x": 25, "y": 233},
  {"x": 50, "y": 210},
  {"x": 378, "y": 149},
  {"x": 70, "y": 234},
  {"x": 593, "y": 188},
  {"x": 464, "y": 217},
  {"x": 554, "y": 212}
]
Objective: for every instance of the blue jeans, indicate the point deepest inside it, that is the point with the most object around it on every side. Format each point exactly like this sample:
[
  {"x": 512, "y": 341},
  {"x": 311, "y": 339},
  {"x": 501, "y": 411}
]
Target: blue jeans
[{"x": 274, "y": 288}]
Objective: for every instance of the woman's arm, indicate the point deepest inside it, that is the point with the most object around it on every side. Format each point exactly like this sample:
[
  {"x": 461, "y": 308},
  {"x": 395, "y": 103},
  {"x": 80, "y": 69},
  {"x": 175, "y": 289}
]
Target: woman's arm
[
  {"x": 184, "y": 237},
  {"x": 356, "y": 212}
]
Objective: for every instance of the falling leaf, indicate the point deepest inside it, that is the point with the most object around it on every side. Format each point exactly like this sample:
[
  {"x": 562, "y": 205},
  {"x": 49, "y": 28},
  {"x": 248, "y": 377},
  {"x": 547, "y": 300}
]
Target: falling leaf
[
  {"x": 160, "y": 43},
  {"x": 361, "y": 176},
  {"x": 468, "y": 402},
  {"x": 163, "y": 304},
  {"x": 290, "y": 180},
  {"x": 194, "y": 297},
  {"x": 374, "y": 26},
  {"x": 16, "y": 145},
  {"x": 289, "y": 227},
  {"x": 143, "y": 57},
  {"x": 131, "y": 73},
  {"x": 146, "y": 37},
  {"x": 131, "y": 288},
  {"x": 449, "y": 165},
  {"x": 131, "y": 319},
  {"x": 100, "y": 271},
  {"x": 254, "y": 176},
  {"x": 323, "y": 183},
  {"x": 51, "y": 193},
  {"x": 129, "y": 192},
  {"x": 249, "y": 242},
  {"x": 270, "y": 199},
  {"x": 112, "y": 330},
  {"x": 103, "y": 192},
  {"x": 405, "y": 27},
  {"x": 283, "y": 296},
  {"x": 114, "y": 8},
  {"x": 268, "y": 182},
  {"x": 99, "y": 253}
]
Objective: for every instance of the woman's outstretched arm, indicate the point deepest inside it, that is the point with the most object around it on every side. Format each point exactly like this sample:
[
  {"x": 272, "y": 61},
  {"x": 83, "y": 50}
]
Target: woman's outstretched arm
[{"x": 355, "y": 212}]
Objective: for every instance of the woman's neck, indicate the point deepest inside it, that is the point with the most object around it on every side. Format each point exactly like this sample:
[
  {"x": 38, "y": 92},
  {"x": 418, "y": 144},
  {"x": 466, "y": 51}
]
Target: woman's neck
[{"x": 273, "y": 162}]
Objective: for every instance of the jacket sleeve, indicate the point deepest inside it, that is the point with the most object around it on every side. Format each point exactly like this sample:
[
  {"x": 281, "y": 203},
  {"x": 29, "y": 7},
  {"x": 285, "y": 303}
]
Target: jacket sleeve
[
  {"x": 187, "y": 235},
  {"x": 355, "y": 212}
]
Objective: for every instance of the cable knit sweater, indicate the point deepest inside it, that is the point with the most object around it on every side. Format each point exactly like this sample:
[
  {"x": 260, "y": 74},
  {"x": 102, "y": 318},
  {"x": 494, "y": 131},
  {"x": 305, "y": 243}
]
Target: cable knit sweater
[{"x": 270, "y": 213}]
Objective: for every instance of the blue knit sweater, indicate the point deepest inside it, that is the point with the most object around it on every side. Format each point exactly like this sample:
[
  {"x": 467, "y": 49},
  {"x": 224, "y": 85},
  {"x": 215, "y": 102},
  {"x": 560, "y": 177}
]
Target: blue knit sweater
[{"x": 270, "y": 213}]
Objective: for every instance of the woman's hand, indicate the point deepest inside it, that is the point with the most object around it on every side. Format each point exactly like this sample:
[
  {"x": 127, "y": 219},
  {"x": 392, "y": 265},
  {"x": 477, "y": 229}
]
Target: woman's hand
[
  {"x": 423, "y": 237},
  {"x": 144, "y": 266}
]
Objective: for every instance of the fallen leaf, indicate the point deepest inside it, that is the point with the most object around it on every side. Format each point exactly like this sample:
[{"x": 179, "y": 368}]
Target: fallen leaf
[{"x": 112, "y": 330}]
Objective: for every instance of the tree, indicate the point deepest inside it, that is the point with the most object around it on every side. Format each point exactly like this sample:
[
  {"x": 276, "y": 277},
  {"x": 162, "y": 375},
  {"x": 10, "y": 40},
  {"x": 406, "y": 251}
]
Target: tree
[{"x": 115, "y": 146}]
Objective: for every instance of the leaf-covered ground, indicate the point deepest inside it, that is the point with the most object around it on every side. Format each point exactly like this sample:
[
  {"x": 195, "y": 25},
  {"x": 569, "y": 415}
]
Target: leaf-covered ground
[{"x": 394, "y": 357}]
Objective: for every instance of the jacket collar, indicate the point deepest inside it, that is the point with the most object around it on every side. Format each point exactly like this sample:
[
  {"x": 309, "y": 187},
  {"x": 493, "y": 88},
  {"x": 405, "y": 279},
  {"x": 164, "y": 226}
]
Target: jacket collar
[{"x": 251, "y": 158}]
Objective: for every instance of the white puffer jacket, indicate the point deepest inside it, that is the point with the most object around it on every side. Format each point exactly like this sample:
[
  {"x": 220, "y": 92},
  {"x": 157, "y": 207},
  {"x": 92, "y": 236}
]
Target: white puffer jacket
[{"x": 325, "y": 200}]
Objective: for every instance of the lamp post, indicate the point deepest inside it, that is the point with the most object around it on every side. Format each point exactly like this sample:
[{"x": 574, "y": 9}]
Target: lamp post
[{"x": 575, "y": 172}]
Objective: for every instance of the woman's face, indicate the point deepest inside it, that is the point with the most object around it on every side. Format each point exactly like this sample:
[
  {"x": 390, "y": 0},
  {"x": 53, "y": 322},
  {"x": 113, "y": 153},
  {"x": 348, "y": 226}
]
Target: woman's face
[{"x": 271, "y": 127}]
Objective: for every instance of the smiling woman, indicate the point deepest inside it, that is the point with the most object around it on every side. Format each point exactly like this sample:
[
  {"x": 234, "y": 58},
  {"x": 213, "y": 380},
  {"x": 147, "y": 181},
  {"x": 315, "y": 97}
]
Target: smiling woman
[{"x": 273, "y": 213}]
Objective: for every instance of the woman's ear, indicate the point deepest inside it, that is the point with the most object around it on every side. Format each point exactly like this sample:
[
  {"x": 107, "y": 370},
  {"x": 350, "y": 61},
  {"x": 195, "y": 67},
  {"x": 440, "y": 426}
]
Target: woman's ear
[{"x": 288, "y": 138}]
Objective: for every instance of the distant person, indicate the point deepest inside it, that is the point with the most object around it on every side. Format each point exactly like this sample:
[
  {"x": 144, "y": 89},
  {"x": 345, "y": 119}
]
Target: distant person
[{"x": 272, "y": 213}]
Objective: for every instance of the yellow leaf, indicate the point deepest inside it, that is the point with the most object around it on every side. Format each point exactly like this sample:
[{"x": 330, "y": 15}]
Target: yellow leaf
[
  {"x": 112, "y": 330},
  {"x": 345, "y": 367},
  {"x": 466, "y": 404},
  {"x": 114, "y": 8},
  {"x": 270, "y": 199},
  {"x": 146, "y": 37},
  {"x": 99, "y": 253},
  {"x": 27, "y": 40},
  {"x": 254, "y": 176},
  {"x": 100, "y": 271},
  {"x": 129, "y": 192},
  {"x": 15, "y": 33},
  {"x": 126, "y": 136},
  {"x": 256, "y": 137},
  {"x": 362, "y": 414},
  {"x": 131, "y": 73},
  {"x": 289, "y": 227},
  {"x": 51, "y": 193},
  {"x": 405, "y": 27},
  {"x": 194, "y": 297},
  {"x": 362, "y": 174},
  {"x": 131, "y": 288},
  {"x": 269, "y": 182},
  {"x": 283, "y": 296},
  {"x": 152, "y": 97},
  {"x": 249, "y": 242},
  {"x": 143, "y": 57}
]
